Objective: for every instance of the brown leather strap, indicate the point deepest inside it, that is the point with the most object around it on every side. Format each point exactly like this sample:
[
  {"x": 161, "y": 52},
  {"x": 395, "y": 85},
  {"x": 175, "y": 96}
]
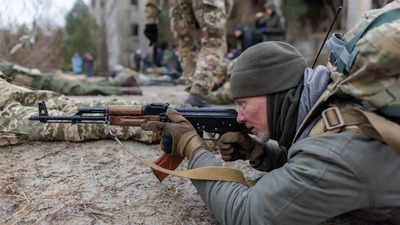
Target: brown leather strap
[
  {"x": 335, "y": 119},
  {"x": 203, "y": 173},
  {"x": 338, "y": 118}
]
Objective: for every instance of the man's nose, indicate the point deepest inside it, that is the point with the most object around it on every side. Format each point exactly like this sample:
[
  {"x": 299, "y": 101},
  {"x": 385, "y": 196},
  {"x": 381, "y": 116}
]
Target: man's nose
[{"x": 240, "y": 117}]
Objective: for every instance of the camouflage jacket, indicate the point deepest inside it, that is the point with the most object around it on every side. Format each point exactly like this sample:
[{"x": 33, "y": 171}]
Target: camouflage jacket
[{"x": 153, "y": 7}]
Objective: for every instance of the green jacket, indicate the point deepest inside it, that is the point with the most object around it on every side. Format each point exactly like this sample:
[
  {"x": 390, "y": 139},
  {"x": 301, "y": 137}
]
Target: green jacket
[
  {"x": 324, "y": 176},
  {"x": 319, "y": 177}
]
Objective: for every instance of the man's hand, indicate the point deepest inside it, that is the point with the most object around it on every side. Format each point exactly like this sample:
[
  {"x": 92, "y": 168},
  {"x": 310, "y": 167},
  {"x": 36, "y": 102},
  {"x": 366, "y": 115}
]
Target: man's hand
[
  {"x": 237, "y": 145},
  {"x": 151, "y": 32},
  {"x": 178, "y": 136},
  {"x": 259, "y": 15}
]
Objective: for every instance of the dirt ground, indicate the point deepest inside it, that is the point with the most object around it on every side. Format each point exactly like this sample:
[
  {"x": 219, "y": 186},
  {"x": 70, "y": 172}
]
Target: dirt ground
[{"x": 98, "y": 182}]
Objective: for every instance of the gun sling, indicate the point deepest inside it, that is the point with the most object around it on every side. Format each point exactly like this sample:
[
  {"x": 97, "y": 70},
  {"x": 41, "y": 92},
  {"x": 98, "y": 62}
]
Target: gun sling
[{"x": 204, "y": 173}]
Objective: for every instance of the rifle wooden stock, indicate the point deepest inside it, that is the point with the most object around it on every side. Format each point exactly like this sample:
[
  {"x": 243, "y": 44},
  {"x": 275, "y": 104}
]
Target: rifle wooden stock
[
  {"x": 136, "y": 118},
  {"x": 169, "y": 162},
  {"x": 125, "y": 110},
  {"x": 134, "y": 121}
]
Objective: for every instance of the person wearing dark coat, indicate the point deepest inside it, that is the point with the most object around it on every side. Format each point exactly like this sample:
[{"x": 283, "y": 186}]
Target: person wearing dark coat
[
  {"x": 244, "y": 36},
  {"x": 271, "y": 26}
]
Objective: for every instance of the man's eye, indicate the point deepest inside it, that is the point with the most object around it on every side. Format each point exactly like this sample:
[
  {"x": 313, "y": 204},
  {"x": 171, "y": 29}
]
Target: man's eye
[{"x": 242, "y": 105}]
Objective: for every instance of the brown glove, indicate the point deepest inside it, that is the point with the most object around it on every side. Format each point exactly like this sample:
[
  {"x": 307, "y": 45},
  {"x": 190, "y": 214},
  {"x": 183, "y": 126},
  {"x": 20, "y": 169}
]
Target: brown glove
[
  {"x": 237, "y": 145},
  {"x": 178, "y": 136}
]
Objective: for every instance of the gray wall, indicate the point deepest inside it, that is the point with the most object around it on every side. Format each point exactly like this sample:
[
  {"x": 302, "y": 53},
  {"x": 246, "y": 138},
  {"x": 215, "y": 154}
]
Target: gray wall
[{"x": 119, "y": 18}]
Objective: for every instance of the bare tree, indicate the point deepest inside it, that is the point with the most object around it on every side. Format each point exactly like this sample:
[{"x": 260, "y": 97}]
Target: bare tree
[{"x": 28, "y": 34}]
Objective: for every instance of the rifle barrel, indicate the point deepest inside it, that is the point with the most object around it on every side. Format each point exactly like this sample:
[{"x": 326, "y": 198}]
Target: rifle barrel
[{"x": 74, "y": 118}]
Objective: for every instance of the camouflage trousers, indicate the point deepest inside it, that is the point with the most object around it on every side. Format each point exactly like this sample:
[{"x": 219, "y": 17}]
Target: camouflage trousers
[
  {"x": 17, "y": 104},
  {"x": 221, "y": 96},
  {"x": 199, "y": 26}
]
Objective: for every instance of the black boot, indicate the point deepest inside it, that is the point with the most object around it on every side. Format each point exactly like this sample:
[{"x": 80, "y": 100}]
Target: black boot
[{"x": 196, "y": 101}]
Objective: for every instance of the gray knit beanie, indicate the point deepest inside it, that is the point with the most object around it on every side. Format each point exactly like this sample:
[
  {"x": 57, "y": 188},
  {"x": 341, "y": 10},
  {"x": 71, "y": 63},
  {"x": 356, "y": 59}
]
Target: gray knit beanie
[
  {"x": 267, "y": 68},
  {"x": 270, "y": 5}
]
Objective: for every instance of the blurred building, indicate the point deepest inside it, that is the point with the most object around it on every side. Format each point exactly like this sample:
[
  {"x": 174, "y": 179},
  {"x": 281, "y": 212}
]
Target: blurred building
[{"x": 121, "y": 23}]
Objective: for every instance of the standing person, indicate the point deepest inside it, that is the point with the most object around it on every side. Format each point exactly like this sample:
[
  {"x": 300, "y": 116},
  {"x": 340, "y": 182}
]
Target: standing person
[
  {"x": 77, "y": 63},
  {"x": 259, "y": 27},
  {"x": 88, "y": 63},
  {"x": 195, "y": 22},
  {"x": 178, "y": 66},
  {"x": 271, "y": 25},
  {"x": 159, "y": 55},
  {"x": 310, "y": 179}
]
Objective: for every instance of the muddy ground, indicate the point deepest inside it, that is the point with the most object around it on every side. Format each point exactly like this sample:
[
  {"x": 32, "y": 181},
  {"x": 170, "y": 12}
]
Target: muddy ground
[{"x": 98, "y": 182}]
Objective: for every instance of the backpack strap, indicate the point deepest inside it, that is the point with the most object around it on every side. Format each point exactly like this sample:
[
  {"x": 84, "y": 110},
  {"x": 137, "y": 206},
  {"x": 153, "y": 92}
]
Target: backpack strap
[
  {"x": 344, "y": 53},
  {"x": 343, "y": 117},
  {"x": 339, "y": 53}
]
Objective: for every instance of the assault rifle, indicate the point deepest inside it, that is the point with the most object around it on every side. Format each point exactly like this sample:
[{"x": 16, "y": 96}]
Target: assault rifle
[{"x": 212, "y": 120}]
